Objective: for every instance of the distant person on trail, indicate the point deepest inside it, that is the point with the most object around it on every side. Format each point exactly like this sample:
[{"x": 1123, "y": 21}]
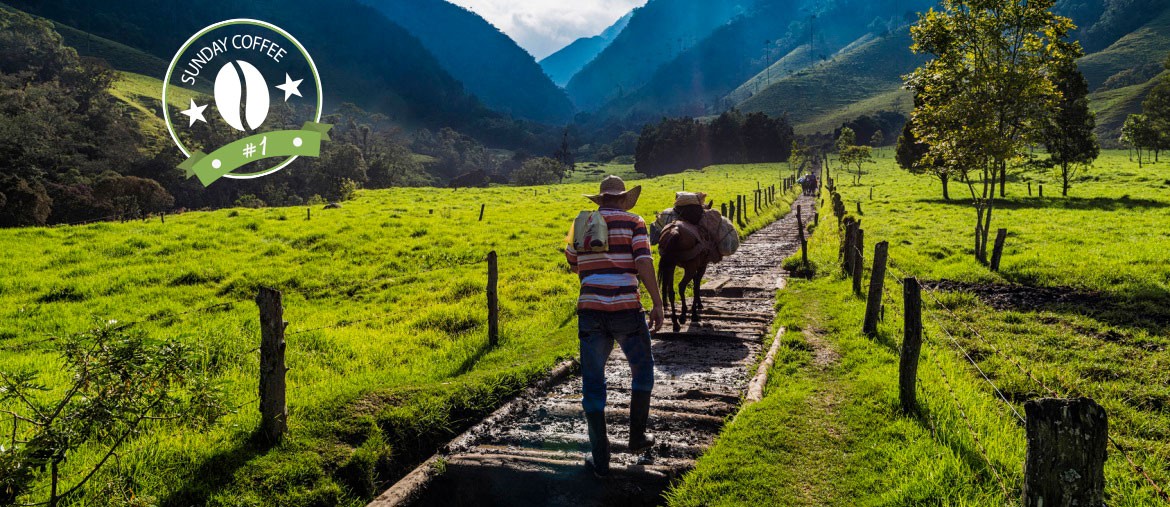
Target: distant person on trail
[{"x": 609, "y": 249}]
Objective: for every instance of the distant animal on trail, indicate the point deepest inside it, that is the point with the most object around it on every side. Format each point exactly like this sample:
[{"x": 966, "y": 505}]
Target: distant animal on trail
[
  {"x": 695, "y": 237},
  {"x": 809, "y": 184}
]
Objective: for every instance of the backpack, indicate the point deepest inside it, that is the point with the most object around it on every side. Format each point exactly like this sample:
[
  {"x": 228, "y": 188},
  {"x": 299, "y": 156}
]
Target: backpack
[{"x": 590, "y": 233}]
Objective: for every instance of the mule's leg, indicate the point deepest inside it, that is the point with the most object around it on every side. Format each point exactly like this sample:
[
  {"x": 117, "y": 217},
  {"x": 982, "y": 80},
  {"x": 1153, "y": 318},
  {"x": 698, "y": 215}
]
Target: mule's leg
[
  {"x": 698, "y": 305},
  {"x": 682, "y": 294},
  {"x": 666, "y": 281}
]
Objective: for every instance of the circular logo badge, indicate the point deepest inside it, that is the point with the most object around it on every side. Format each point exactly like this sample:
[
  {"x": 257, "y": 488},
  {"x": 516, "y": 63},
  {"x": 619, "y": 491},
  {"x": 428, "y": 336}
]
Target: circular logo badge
[{"x": 242, "y": 99}]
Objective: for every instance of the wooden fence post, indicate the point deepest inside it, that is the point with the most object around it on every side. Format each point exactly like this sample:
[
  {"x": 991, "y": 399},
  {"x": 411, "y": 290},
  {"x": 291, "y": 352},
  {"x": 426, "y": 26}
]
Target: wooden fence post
[
  {"x": 273, "y": 411},
  {"x": 858, "y": 260},
  {"x": 1041, "y": 187},
  {"x": 731, "y": 211},
  {"x": 1065, "y": 462},
  {"x": 877, "y": 278},
  {"x": 481, "y": 208},
  {"x": 1029, "y": 189},
  {"x": 911, "y": 344},
  {"x": 493, "y": 300},
  {"x": 162, "y": 217},
  {"x": 997, "y": 251},
  {"x": 847, "y": 248},
  {"x": 308, "y": 213},
  {"x": 859, "y": 208},
  {"x": 723, "y": 208}
]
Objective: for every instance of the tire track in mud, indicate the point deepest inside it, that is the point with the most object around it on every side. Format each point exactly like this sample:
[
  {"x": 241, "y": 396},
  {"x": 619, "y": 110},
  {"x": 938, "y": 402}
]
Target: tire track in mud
[{"x": 531, "y": 451}]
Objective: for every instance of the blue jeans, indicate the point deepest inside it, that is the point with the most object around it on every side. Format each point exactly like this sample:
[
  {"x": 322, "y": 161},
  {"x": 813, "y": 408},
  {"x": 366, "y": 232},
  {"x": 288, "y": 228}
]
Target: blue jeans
[{"x": 597, "y": 331}]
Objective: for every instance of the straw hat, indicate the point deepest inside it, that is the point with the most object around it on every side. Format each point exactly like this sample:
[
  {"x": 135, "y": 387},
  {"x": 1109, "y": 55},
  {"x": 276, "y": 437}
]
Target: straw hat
[
  {"x": 689, "y": 198},
  {"x": 613, "y": 185}
]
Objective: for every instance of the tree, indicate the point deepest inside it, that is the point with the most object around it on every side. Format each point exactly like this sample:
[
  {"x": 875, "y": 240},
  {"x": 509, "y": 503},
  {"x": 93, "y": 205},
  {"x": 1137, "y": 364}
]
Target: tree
[
  {"x": 911, "y": 155},
  {"x": 845, "y": 139},
  {"x": 857, "y": 156},
  {"x": 564, "y": 154},
  {"x": 727, "y": 138},
  {"x": 538, "y": 171},
  {"x": 878, "y": 139},
  {"x": 1138, "y": 133},
  {"x": 988, "y": 92},
  {"x": 848, "y": 153},
  {"x": 1068, "y": 135},
  {"x": 1156, "y": 107},
  {"x": 118, "y": 383}
]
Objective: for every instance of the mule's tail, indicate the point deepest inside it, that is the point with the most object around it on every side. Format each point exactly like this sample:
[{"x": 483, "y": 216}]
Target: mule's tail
[{"x": 666, "y": 280}]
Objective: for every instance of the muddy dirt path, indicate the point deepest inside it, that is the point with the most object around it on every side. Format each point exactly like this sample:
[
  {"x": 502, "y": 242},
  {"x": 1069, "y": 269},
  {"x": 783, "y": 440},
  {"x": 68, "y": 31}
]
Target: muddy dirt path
[{"x": 531, "y": 452}]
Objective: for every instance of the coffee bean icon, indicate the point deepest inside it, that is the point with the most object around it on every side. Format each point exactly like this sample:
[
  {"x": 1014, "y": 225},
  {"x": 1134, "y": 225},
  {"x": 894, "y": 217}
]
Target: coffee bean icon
[{"x": 229, "y": 95}]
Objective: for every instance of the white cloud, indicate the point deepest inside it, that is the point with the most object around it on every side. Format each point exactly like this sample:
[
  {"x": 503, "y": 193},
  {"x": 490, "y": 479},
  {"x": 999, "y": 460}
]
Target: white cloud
[{"x": 544, "y": 26}]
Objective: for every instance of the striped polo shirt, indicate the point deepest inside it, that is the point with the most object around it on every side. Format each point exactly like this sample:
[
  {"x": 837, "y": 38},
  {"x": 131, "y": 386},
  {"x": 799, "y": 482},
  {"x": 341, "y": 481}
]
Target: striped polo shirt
[{"x": 609, "y": 280}]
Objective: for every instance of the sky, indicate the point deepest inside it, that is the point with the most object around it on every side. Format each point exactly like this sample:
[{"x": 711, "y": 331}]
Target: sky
[{"x": 544, "y": 26}]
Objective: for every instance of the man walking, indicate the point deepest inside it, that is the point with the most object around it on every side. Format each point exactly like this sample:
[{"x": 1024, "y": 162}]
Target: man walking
[{"x": 610, "y": 309}]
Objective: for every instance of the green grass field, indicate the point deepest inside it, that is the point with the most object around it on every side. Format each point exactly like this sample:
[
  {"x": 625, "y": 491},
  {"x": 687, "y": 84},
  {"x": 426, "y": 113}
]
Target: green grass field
[
  {"x": 829, "y": 430},
  {"x": 387, "y": 334}
]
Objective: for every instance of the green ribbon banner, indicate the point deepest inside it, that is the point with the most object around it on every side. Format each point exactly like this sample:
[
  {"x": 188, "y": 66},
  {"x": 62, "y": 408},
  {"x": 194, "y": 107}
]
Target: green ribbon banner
[{"x": 279, "y": 143}]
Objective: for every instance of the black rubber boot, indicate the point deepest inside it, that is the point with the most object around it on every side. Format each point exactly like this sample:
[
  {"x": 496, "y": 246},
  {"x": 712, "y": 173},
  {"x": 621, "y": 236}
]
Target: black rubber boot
[
  {"x": 598, "y": 460},
  {"x": 639, "y": 413}
]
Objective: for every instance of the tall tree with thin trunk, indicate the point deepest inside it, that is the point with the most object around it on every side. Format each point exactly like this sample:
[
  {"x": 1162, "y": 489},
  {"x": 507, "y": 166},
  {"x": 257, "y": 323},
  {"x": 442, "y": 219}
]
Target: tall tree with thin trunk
[
  {"x": 988, "y": 91},
  {"x": 1069, "y": 136}
]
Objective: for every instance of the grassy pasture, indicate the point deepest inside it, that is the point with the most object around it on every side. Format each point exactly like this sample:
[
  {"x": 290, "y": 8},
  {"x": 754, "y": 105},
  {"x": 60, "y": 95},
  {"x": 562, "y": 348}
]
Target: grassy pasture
[
  {"x": 829, "y": 431},
  {"x": 400, "y": 270}
]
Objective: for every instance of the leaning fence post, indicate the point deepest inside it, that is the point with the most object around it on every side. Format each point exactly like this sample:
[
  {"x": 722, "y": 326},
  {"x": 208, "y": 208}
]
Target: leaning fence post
[
  {"x": 997, "y": 251},
  {"x": 481, "y": 208},
  {"x": 273, "y": 412},
  {"x": 1065, "y": 461},
  {"x": 493, "y": 300},
  {"x": 876, "y": 285},
  {"x": 858, "y": 261},
  {"x": 911, "y": 344}
]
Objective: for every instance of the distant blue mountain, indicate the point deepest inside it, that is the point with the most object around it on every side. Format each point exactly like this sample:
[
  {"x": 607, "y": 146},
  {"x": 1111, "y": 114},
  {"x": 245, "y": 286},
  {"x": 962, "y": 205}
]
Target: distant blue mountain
[
  {"x": 488, "y": 63},
  {"x": 657, "y": 33},
  {"x": 564, "y": 64}
]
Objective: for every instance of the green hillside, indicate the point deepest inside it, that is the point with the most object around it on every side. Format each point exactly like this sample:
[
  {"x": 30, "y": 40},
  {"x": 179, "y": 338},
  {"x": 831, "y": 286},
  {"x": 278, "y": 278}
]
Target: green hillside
[
  {"x": 847, "y": 83},
  {"x": 1113, "y": 106},
  {"x": 897, "y": 100},
  {"x": 802, "y": 57},
  {"x": 1146, "y": 47},
  {"x": 142, "y": 94}
]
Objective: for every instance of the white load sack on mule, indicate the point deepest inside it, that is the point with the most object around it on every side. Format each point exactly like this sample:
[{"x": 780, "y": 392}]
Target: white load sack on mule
[{"x": 723, "y": 236}]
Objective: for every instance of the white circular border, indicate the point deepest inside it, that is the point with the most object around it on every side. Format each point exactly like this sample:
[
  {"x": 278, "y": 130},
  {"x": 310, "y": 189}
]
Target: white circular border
[{"x": 204, "y": 31}]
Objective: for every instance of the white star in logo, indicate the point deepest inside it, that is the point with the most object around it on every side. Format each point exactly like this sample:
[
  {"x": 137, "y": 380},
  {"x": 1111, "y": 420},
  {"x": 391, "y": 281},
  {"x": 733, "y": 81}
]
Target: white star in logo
[
  {"x": 290, "y": 87},
  {"x": 195, "y": 113}
]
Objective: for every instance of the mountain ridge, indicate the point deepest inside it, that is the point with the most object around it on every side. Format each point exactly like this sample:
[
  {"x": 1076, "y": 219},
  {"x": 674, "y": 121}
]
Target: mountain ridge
[
  {"x": 487, "y": 62},
  {"x": 562, "y": 65}
]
